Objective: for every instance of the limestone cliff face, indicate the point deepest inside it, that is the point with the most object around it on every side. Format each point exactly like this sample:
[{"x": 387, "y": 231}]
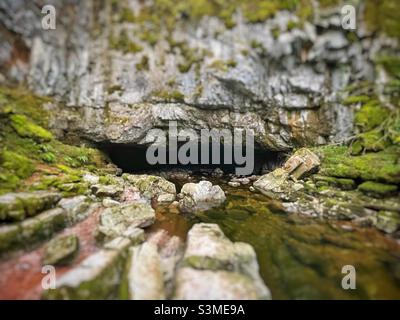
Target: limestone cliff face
[{"x": 282, "y": 77}]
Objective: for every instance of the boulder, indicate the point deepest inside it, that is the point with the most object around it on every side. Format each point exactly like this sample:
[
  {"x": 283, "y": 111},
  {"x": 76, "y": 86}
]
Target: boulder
[
  {"x": 302, "y": 163},
  {"x": 211, "y": 259},
  {"x": 61, "y": 250},
  {"x": 200, "y": 196},
  {"x": 115, "y": 220}
]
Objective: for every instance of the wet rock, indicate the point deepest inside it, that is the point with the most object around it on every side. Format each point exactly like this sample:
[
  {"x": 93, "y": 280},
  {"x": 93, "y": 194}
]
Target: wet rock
[
  {"x": 145, "y": 275},
  {"x": 61, "y": 250},
  {"x": 387, "y": 221},
  {"x": 151, "y": 186},
  {"x": 194, "y": 284},
  {"x": 113, "y": 191},
  {"x": 302, "y": 163},
  {"x": 115, "y": 220},
  {"x": 17, "y": 206},
  {"x": 77, "y": 208},
  {"x": 234, "y": 184},
  {"x": 165, "y": 198},
  {"x": 211, "y": 259},
  {"x": 200, "y": 196},
  {"x": 217, "y": 173},
  {"x": 108, "y": 203}
]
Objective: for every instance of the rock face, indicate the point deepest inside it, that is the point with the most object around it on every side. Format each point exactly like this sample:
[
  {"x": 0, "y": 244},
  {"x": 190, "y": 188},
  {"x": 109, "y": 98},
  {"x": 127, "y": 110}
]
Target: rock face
[
  {"x": 61, "y": 250},
  {"x": 213, "y": 267},
  {"x": 282, "y": 83},
  {"x": 200, "y": 196},
  {"x": 116, "y": 220}
]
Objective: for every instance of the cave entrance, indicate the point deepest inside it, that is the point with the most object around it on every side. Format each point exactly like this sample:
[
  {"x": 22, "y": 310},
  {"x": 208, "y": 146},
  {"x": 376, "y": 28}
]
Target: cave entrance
[{"x": 132, "y": 159}]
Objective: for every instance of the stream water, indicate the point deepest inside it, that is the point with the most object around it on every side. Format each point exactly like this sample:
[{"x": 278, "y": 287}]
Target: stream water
[{"x": 301, "y": 257}]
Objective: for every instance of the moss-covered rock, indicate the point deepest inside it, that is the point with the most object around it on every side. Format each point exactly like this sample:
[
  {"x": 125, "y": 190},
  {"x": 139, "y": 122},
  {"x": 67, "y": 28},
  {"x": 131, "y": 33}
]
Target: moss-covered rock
[
  {"x": 61, "y": 250},
  {"x": 381, "y": 166},
  {"x": 17, "y": 206},
  {"x": 387, "y": 221},
  {"x": 370, "y": 116},
  {"x": 376, "y": 189},
  {"x": 27, "y": 129}
]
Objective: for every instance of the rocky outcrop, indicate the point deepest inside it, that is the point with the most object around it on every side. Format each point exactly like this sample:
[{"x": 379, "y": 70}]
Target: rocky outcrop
[
  {"x": 278, "y": 76},
  {"x": 213, "y": 267},
  {"x": 200, "y": 196}
]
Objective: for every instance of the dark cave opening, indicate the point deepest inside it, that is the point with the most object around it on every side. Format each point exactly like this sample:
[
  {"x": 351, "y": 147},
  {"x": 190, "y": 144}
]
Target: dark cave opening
[{"x": 133, "y": 159}]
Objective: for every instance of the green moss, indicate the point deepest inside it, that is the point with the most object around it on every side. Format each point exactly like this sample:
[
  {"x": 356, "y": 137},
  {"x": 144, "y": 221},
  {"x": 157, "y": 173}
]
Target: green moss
[
  {"x": 143, "y": 64},
  {"x": 382, "y": 15},
  {"x": 124, "y": 44},
  {"x": 391, "y": 64},
  {"x": 276, "y": 32},
  {"x": 149, "y": 36},
  {"x": 223, "y": 66},
  {"x": 170, "y": 96},
  {"x": 370, "y": 116},
  {"x": 114, "y": 88},
  {"x": 382, "y": 166},
  {"x": 231, "y": 63},
  {"x": 356, "y": 99},
  {"x": 377, "y": 189},
  {"x": 345, "y": 184},
  {"x": 292, "y": 24},
  {"x": 25, "y": 128},
  {"x": 127, "y": 15},
  {"x": 18, "y": 164}
]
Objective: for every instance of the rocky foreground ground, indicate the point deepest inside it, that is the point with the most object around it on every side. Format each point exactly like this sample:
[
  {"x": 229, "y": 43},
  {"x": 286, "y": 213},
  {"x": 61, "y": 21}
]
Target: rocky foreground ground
[{"x": 76, "y": 103}]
